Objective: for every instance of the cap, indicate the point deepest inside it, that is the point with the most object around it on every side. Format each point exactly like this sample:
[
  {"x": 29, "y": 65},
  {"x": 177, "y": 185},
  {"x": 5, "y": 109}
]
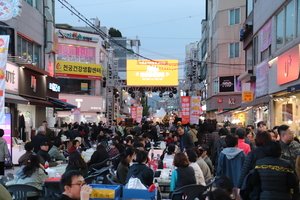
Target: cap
[
  {"x": 179, "y": 122},
  {"x": 41, "y": 129},
  {"x": 44, "y": 143}
]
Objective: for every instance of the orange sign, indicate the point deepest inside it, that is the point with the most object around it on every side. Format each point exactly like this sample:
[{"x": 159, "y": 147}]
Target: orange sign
[
  {"x": 247, "y": 96},
  {"x": 185, "y": 107},
  {"x": 148, "y": 72}
]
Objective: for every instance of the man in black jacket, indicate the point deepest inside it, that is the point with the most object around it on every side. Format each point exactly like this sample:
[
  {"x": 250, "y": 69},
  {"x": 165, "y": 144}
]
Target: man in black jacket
[
  {"x": 43, "y": 152},
  {"x": 39, "y": 138},
  {"x": 186, "y": 140}
]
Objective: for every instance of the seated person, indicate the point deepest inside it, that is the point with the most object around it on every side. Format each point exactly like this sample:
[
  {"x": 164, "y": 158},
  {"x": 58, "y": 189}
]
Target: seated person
[
  {"x": 113, "y": 150},
  {"x": 184, "y": 174},
  {"x": 73, "y": 186},
  {"x": 33, "y": 173},
  {"x": 138, "y": 146},
  {"x": 29, "y": 151},
  {"x": 176, "y": 140},
  {"x": 169, "y": 139},
  {"x": 43, "y": 152},
  {"x": 56, "y": 152},
  {"x": 125, "y": 158},
  {"x": 140, "y": 170},
  {"x": 169, "y": 155},
  {"x": 99, "y": 155},
  {"x": 75, "y": 146},
  {"x": 102, "y": 137},
  {"x": 192, "y": 156},
  {"x": 76, "y": 162},
  {"x": 84, "y": 144}
]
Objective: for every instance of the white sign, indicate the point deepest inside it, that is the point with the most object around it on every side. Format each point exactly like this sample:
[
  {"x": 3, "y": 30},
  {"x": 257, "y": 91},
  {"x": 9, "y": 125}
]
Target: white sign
[
  {"x": 12, "y": 78},
  {"x": 54, "y": 87}
]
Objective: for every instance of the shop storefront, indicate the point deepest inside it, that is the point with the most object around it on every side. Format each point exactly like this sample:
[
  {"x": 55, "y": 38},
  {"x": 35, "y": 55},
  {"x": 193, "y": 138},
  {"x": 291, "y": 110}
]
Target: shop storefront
[{"x": 89, "y": 108}]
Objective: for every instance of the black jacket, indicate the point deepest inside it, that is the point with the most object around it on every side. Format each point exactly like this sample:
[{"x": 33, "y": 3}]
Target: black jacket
[
  {"x": 141, "y": 171},
  {"x": 99, "y": 156},
  {"x": 276, "y": 177},
  {"x": 187, "y": 140},
  {"x": 37, "y": 140},
  {"x": 44, "y": 155},
  {"x": 218, "y": 147},
  {"x": 250, "y": 162}
]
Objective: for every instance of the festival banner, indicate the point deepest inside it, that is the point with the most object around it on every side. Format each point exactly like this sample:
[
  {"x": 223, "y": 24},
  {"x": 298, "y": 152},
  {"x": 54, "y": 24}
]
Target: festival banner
[
  {"x": 185, "y": 109},
  {"x": 4, "y": 41},
  {"x": 139, "y": 114},
  {"x": 133, "y": 113},
  {"x": 195, "y": 109}
]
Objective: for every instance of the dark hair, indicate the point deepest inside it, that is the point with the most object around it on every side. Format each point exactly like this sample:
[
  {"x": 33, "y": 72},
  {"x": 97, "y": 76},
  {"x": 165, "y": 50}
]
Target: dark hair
[
  {"x": 66, "y": 178},
  {"x": 128, "y": 139},
  {"x": 180, "y": 160},
  {"x": 211, "y": 128},
  {"x": 275, "y": 127},
  {"x": 261, "y": 123},
  {"x": 262, "y": 137},
  {"x": 251, "y": 126},
  {"x": 76, "y": 126},
  {"x": 218, "y": 194},
  {"x": 192, "y": 126},
  {"x": 174, "y": 135},
  {"x": 57, "y": 142},
  {"x": 282, "y": 128},
  {"x": 225, "y": 183},
  {"x": 272, "y": 148},
  {"x": 141, "y": 156},
  {"x": 31, "y": 166},
  {"x": 171, "y": 149},
  {"x": 205, "y": 147},
  {"x": 74, "y": 142},
  {"x": 76, "y": 160},
  {"x": 240, "y": 132},
  {"x": 145, "y": 135},
  {"x": 1, "y": 132},
  {"x": 100, "y": 146},
  {"x": 231, "y": 140},
  {"x": 197, "y": 151},
  {"x": 138, "y": 144},
  {"x": 29, "y": 146},
  {"x": 180, "y": 126},
  {"x": 192, "y": 156},
  {"x": 223, "y": 131},
  {"x": 129, "y": 151},
  {"x": 45, "y": 122}
]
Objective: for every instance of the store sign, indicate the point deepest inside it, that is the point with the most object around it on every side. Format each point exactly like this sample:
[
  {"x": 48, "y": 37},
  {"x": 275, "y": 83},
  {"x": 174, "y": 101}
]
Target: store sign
[
  {"x": 84, "y": 86},
  {"x": 288, "y": 66},
  {"x": 33, "y": 83},
  {"x": 54, "y": 87},
  {"x": 195, "y": 109},
  {"x": 75, "y": 52},
  {"x": 220, "y": 100},
  {"x": 78, "y": 70},
  {"x": 226, "y": 84},
  {"x": 4, "y": 41},
  {"x": 262, "y": 79},
  {"x": 139, "y": 114},
  {"x": 134, "y": 113},
  {"x": 77, "y": 36},
  {"x": 247, "y": 96},
  {"x": 231, "y": 101},
  {"x": 185, "y": 109},
  {"x": 152, "y": 73},
  {"x": 10, "y": 9},
  {"x": 12, "y": 78}
]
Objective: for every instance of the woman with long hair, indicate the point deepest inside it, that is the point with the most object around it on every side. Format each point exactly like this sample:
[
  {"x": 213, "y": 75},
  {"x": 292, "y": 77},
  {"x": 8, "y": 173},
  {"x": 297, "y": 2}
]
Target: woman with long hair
[
  {"x": 125, "y": 158},
  {"x": 32, "y": 173},
  {"x": 77, "y": 163}
]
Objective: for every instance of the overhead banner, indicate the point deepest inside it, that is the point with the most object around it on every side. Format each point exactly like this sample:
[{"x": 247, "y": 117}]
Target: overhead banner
[
  {"x": 152, "y": 73},
  {"x": 133, "y": 113},
  {"x": 4, "y": 41},
  {"x": 195, "y": 109},
  {"x": 78, "y": 70},
  {"x": 185, "y": 109},
  {"x": 139, "y": 114}
]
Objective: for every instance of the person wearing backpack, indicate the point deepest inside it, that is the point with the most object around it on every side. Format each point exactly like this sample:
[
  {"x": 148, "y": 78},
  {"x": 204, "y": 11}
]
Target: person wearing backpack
[{"x": 219, "y": 146}]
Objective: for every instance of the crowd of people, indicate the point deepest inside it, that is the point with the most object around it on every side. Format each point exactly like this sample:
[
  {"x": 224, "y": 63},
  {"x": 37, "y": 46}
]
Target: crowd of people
[{"x": 249, "y": 163}]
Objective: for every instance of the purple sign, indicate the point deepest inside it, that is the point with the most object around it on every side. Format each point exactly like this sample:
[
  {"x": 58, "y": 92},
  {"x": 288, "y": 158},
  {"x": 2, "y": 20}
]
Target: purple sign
[
  {"x": 71, "y": 52},
  {"x": 266, "y": 35},
  {"x": 262, "y": 79},
  {"x": 6, "y": 126}
]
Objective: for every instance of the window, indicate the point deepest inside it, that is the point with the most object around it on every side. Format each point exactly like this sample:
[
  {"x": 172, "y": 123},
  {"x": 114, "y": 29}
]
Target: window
[
  {"x": 234, "y": 16},
  {"x": 203, "y": 49},
  {"x": 234, "y": 50},
  {"x": 265, "y": 54},
  {"x": 29, "y": 50},
  {"x": 249, "y": 58},
  {"x": 214, "y": 25},
  {"x": 216, "y": 86},
  {"x": 298, "y": 19},
  {"x": 279, "y": 30},
  {"x": 255, "y": 50},
  {"x": 33, "y": 3},
  {"x": 249, "y": 7},
  {"x": 289, "y": 22}
]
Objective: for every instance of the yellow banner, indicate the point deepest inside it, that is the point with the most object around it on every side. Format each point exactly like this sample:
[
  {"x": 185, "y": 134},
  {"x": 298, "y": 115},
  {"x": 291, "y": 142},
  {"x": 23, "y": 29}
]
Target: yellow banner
[
  {"x": 147, "y": 72},
  {"x": 78, "y": 70},
  {"x": 247, "y": 96}
]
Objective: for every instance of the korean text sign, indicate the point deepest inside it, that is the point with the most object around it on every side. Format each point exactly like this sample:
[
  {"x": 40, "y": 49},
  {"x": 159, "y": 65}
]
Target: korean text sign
[
  {"x": 78, "y": 70},
  {"x": 4, "y": 41},
  {"x": 195, "y": 109},
  {"x": 185, "y": 109},
  {"x": 134, "y": 112},
  {"x": 147, "y": 72}
]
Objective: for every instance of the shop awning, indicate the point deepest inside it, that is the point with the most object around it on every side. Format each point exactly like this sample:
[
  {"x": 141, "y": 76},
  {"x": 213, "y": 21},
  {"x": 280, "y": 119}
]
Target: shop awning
[
  {"x": 228, "y": 110},
  {"x": 257, "y": 101},
  {"x": 61, "y": 105},
  {"x": 39, "y": 102},
  {"x": 14, "y": 98}
]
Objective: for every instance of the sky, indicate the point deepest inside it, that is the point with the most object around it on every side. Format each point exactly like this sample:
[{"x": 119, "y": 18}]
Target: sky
[{"x": 164, "y": 27}]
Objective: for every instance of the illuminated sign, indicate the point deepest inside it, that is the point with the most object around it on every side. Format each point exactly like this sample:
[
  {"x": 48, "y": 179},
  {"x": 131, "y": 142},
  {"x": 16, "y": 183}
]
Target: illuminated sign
[
  {"x": 74, "y": 52},
  {"x": 147, "y": 72},
  {"x": 33, "y": 83},
  {"x": 84, "y": 86},
  {"x": 12, "y": 77},
  {"x": 226, "y": 84},
  {"x": 288, "y": 66},
  {"x": 77, "y": 36},
  {"x": 54, "y": 87},
  {"x": 78, "y": 70},
  {"x": 247, "y": 96}
]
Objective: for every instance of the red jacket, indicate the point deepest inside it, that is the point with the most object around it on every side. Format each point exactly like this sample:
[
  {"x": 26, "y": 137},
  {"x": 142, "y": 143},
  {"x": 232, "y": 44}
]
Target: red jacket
[
  {"x": 73, "y": 148},
  {"x": 244, "y": 146}
]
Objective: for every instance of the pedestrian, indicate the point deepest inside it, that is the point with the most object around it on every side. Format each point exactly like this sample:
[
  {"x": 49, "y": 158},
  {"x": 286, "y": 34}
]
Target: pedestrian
[
  {"x": 4, "y": 153},
  {"x": 186, "y": 140},
  {"x": 241, "y": 133}
]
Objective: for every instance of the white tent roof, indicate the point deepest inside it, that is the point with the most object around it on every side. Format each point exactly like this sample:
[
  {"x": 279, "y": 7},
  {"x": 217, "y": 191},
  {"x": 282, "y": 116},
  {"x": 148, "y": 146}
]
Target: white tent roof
[{"x": 160, "y": 113}]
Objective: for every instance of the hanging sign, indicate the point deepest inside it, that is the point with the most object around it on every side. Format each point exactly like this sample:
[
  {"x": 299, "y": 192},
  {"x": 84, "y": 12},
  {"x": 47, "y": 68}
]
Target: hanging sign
[
  {"x": 4, "y": 41},
  {"x": 185, "y": 108}
]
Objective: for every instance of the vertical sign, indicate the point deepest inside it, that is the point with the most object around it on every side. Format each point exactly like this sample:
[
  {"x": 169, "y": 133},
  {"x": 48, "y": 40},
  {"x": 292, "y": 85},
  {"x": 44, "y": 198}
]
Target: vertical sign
[
  {"x": 266, "y": 35},
  {"x": 195, "y": 109},
  {"x": 4, "y": 40},
  {"x": 185, "y": 108},
  {"x": 77, "y": 115},
  {"x": 133, "y": 113},
  {"x": 139, "y": 114}
]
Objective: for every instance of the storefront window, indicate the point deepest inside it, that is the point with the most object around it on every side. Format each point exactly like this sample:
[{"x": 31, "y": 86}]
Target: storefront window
[
  {"x": 30, "y": 51},
  {"x": 298, "y": 19},
  {"x": 279, "y": 30},
  {"x": 19, "y": 45},
  {"x": 289, "y": 21},
  {"x": 75, "y": 86}
]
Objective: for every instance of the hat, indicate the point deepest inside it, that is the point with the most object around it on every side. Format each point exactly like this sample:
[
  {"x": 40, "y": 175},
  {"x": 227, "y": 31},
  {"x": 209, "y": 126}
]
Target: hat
[
  {"x": 44, "y": 143},
  {"x": 78, "y": 138},
  {"x": 41, "y": 129},
  {"x": 179, "y": 122}
]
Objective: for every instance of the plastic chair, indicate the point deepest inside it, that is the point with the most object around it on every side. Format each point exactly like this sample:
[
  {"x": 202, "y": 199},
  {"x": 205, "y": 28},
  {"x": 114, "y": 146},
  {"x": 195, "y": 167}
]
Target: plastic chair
[
  {"x": 97, "y": 175},
  {"x": 98, "y": 166},
  {"x": 190, "y": 192},
  {"x": 110, "y": 180},
  {"x": 20, "y": 191}
]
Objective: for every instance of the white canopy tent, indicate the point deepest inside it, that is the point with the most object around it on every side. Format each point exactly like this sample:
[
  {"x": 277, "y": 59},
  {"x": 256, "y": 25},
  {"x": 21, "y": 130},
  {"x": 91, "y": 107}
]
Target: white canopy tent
[{"x": 160, "y": 113}]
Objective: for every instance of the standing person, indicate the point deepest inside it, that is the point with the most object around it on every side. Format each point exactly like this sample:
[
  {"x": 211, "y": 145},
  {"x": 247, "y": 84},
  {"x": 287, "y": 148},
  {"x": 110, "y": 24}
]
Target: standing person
[
  {"x": 157, "y": 127},
  {"x": 166, "y": 121},
  {"x": 261, "y": 126},
  {"x": 186, "y": 140},
  {"x": 207, "y": 137},
  {"x": 138, "y": 128},
  {"x": 76, "y": 162},
  {"x": 153, "y": 133},
  {"x": 231, "y": 161},
  {"x": 49, "y": 133},
  {"x": 251, "y": 129},
  {"x": 241, "y": 133},
  {"x": 219, "y": 146},
  {"x": 39, "y": 138},
  {"x": 74, "y": 186},
  {"x": 275, "y": 175},
  {"x": 214, "y": 138},
  {"x": 193, "y": 132},
  {"x": 3, "y": 151}
]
